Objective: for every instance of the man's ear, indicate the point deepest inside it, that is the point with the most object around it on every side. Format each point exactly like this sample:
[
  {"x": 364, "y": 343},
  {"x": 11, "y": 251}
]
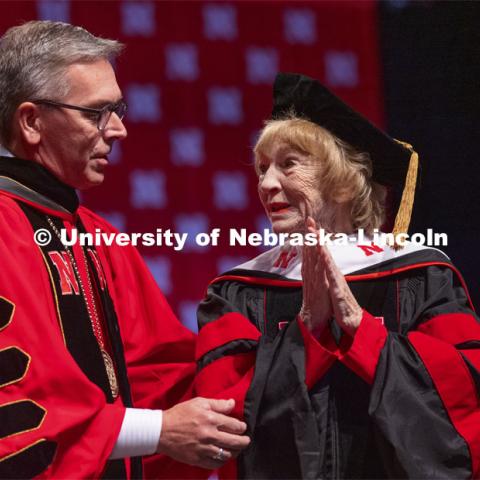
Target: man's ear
[{"x": 27, "y": 118}]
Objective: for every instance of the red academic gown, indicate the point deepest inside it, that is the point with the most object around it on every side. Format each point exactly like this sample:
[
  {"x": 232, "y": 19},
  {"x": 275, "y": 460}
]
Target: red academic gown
[{"x": 55, "y": 421}]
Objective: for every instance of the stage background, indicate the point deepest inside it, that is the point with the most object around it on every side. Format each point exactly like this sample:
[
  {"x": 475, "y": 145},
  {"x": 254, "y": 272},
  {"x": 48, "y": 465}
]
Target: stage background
[{"x": 197, "y": 78}]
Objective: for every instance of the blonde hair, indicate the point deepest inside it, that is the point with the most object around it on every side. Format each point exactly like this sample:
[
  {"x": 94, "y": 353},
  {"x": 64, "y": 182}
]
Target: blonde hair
[{"x": 341, "y": 168}]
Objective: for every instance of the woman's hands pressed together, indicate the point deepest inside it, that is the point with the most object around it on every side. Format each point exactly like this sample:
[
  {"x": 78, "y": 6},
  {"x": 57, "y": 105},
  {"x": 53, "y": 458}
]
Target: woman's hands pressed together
[{"x": 325, "y": 291}]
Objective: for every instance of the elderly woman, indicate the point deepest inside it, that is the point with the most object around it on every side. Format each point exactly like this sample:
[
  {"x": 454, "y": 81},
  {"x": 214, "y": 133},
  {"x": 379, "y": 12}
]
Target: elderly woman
[{"x": 346, "y": 361}]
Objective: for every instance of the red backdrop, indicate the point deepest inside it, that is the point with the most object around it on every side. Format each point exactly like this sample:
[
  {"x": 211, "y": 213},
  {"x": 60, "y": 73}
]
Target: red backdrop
[{"x": 197, "y": 77}]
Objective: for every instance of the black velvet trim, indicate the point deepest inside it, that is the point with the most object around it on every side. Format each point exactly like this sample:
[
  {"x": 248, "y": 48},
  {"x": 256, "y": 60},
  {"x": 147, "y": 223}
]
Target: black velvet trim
[
  {"x": 13, "y": 365},
  {"x": 29, "y": 462},
  {"x": 113, "y": 329},
  {"x": 80, "y": 339},
  {"x": 473, "y": 372},
  {"x": 6, "y": 312},
  {"x": 38, "y": 178},
  {"x": 115, "y": 469},
  {"x": 20, "y": 417},
  {"x": 240, "y": 272},
  {"x": 231, "y": 348},
  {"x": 422, "y": 256},
  {"x": 470, "y": 345}
]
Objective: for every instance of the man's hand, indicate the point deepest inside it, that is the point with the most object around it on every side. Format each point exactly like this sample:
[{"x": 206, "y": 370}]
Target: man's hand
[{"x": 200, "y": 432}]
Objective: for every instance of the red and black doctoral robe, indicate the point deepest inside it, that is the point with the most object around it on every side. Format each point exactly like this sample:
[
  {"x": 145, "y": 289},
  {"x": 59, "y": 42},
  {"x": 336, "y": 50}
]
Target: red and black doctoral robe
[{"x": 398, "y": 400}]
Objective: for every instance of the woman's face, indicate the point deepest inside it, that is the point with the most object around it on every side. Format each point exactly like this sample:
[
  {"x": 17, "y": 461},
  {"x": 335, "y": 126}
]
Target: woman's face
[{"x": 289, "y": 188}]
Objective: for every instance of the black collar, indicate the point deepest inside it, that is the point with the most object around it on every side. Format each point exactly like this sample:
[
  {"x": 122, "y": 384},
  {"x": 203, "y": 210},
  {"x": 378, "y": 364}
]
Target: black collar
[{"x": 39, "y": 179}]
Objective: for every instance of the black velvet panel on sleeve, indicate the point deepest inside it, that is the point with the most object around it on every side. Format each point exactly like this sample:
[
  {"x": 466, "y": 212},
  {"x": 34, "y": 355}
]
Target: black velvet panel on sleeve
[{"x": 29, "y": 462}]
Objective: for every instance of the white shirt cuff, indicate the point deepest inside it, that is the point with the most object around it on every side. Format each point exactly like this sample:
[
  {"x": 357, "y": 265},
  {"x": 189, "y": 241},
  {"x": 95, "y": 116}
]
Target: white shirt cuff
[{"x": 139, "y": 434}]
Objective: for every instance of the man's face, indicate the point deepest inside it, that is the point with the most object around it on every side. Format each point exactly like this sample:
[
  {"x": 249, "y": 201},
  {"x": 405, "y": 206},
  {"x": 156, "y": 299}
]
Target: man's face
[{"x": 71, "y": 145}]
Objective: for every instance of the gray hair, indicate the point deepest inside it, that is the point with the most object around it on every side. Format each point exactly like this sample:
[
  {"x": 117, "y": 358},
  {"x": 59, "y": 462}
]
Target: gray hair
[{"x": 33, "y": 61}]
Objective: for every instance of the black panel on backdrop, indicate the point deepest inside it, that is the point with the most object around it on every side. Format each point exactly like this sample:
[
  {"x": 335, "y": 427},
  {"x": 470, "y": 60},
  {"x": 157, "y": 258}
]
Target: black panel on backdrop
[{"x": 431, "y": 57}]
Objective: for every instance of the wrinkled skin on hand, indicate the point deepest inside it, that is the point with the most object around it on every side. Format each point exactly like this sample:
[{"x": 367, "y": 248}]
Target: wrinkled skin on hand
[
  {"x": 194, "y": 431},
  {"x": 325, "y": 291}
]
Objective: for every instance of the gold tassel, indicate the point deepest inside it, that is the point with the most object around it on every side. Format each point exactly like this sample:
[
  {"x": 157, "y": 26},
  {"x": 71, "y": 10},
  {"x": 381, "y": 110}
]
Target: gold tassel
[{"x": 404, "y": 214}]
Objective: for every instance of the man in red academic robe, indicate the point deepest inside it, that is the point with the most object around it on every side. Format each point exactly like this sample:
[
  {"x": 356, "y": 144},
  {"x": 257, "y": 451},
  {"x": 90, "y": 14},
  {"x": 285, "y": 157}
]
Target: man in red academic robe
[{"x": 93, "y": 363}]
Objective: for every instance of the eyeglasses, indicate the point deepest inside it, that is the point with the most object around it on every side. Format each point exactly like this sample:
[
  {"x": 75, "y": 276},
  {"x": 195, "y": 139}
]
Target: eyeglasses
[{"x": 102, "y": 114}]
